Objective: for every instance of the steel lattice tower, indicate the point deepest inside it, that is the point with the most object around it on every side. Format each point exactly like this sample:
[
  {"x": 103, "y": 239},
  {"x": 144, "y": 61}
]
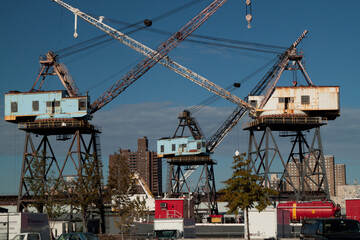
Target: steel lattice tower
[
  {"x": 311, "y": 181},
  {"x": 84, "y": 148}
]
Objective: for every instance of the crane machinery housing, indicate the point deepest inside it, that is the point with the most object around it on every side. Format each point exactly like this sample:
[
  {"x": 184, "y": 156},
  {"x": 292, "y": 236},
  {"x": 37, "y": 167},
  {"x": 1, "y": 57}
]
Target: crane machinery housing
[{"x": 38, "y": 104}]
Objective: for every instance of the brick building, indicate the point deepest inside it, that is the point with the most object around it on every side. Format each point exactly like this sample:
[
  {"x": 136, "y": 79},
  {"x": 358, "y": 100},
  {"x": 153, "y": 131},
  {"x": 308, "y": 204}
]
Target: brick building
[
  {"x": 146, "y": 163},
  {"x": 340, "y": 176},
  {"x": 335, "y": 174}
]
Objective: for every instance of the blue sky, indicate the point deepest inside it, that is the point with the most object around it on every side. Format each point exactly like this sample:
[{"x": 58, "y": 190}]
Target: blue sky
[{"x": 150, "y": 106}]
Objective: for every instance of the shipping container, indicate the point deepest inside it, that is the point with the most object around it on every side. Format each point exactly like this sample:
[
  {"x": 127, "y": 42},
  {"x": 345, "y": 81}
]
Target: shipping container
[
  {"x": 353, "y": 208},
  {"x": 271, "y": 223},
  {"x": 173, "y": 208}
]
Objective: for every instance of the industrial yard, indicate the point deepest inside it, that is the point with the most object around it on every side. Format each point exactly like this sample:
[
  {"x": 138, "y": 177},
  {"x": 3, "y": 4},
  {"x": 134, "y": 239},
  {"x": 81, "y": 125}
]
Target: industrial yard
[{"x": 243, "y": 130}]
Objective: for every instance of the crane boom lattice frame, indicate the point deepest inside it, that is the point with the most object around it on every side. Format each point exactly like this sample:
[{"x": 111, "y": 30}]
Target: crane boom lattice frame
[
  {"x": 60, "y": 70},
  {"x": 267, "y": 83},
  {"x": 157, "y": 56}
]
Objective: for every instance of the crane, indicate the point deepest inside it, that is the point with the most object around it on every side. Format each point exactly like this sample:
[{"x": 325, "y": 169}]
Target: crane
[
  {"x": 140, "y": 181},
  {"x": 266, "y": 84},
  {"x": 154, "y": 56}
]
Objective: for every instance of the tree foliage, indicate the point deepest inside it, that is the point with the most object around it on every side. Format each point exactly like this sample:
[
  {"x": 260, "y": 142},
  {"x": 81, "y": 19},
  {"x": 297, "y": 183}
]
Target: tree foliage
[
  {"x": 242, "y": 190},
  {"x": 86, "y": 196},
  {"x": 44, "y": 187},
  {"x": 121, "y": 184}
]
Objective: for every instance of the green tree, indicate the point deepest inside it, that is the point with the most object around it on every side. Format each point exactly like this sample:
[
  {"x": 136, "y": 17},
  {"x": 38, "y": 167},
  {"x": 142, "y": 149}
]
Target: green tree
[
  {"x": 121, "y": 184},
  {"x": 140, "y": 208},
  {"x": 86, "y": 197},
  {"x": 44, "y": 187},
  {"x": 242, "y": 190}
]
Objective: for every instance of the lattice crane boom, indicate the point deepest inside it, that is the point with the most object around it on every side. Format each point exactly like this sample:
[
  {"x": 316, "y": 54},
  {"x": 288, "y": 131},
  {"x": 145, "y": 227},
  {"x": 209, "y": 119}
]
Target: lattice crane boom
[
  {"x": 157, "y": 56},
  {"x": 51, "y": 63},
  {"x": 268, "y": 82},
  {"x": 290, "y": 54}
]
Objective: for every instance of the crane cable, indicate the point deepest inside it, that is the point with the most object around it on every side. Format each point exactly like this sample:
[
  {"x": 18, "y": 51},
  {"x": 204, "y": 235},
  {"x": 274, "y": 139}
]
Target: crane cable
[
  {"x": 213, "y": 98},
  {"x": 128, "y": 25}
]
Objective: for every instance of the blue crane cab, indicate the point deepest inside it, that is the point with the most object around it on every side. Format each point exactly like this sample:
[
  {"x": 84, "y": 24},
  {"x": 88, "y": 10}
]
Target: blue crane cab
[
  {"x": 44, "y": 105},
  {"x": 170, "y": 147}
]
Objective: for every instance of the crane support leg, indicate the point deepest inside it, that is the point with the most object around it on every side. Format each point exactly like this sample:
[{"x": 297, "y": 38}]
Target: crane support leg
[
  {"x": 45, "y": 176},
  {"x": 309, "y": 179}
]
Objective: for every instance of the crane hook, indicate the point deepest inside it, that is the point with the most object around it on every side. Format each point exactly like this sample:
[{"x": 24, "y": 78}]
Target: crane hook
[
  {"x": 75, "y": 27},
  {"x": 248, "y": 16}
]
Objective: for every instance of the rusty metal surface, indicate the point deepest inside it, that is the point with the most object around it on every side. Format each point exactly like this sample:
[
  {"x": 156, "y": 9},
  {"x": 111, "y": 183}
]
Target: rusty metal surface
[
  {"x": 59, "y": 126},
  {"x": 285, "y": 123},
  {"x": 191, "y": 160}
]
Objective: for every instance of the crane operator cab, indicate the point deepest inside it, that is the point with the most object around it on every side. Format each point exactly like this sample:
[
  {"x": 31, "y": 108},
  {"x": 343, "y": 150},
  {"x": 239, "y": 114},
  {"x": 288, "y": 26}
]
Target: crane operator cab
[
  {"x": 300, "y": 101},
  {"x": 169, "y": 147},
  {"x": 45, "y": 105}
]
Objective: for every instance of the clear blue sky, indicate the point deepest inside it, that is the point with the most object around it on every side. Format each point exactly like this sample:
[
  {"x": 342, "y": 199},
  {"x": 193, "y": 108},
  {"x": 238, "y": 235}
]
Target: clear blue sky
[{"x": 150, "y": 106}]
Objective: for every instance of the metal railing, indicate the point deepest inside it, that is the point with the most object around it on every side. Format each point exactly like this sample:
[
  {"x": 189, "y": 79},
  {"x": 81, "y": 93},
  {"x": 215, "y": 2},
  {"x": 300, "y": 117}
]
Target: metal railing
[
  {"x": 286, "y": 120},
  {"x": 57, "y": 124},
  {"x": 173, "y": 214}
]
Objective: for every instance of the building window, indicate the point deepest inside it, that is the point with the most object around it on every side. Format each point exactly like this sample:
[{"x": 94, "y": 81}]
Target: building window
[
  {"x": 173, "y": 147},
  {"x": 14, "y": 107},
  {"x": 253, "y": 103},
  {"x": 161, "y": 148},
  {"x": 35, "y": 106},
  {"x": 53, "y": 104},
  {"x": 286, "y": 100},
  {"x": 305, "y": 99},
  {"x": 82, "y": 104}
]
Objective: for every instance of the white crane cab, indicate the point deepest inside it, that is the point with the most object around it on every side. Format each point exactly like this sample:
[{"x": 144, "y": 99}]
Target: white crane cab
[{"x": 300, "y": 101}]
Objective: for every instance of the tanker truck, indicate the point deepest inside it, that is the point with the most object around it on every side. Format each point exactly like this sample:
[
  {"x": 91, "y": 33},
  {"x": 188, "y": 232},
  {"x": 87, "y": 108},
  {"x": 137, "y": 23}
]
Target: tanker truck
[{"x": 312, "y": 209}]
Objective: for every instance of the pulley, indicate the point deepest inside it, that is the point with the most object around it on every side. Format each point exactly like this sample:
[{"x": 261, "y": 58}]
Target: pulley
[
  {"x": 75, "y": 27},
  {"x": 147, "y": 22},
  {"x": 248, "y": 16}
]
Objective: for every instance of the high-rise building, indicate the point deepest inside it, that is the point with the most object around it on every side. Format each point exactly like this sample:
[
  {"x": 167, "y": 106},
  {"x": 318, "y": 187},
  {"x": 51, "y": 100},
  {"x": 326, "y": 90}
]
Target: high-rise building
[
  {"x": 340, "y": 176},
  {"x": 335, "y": 174},
  {"x": 145, "y": 163}
]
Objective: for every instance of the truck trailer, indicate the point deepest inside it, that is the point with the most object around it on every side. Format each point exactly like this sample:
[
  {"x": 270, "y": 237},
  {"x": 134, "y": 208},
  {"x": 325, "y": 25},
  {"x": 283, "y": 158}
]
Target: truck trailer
[
  {"x": 12, "y": 224},
  {"x": 174, "y": 228}
]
